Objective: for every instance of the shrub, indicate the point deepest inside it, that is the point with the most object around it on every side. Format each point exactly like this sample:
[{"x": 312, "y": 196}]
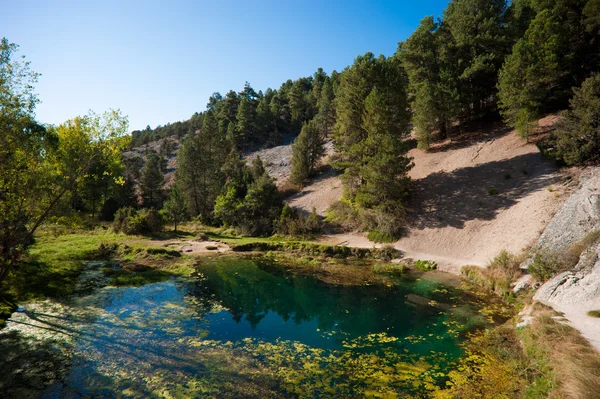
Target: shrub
[
  {"x": 385, "y": 222},
  {"x": 145, "y": 221},
  {"x": 492, "y": 191},
  {"x": 388, "y": 252},
  {"x": 594, "y": 313},
  {"x": 292, "y": 223},
  {"x": 546, "y": 264},
  {"x": 378, "y": 236},
  {"x": 425, "y": 265},
  {"x": 121, "y": 220},
  {"x": 500, "y": 273},
  {"x": 287, "y": 189}
]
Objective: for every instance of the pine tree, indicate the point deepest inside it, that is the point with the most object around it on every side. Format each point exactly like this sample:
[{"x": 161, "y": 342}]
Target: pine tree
[
  {"x": 326, "y": 115},
  {"x": 355, "y": 85},
  {"x": 246, "y": 122},
  {"x": 307, "y": 150},
  {"x": 152, "y": 182},
  {"x": 175, "y": 208},
  {"x": 189, "y": 174},
  {"x": 527, "y": 77},
  {"x": 577, "y": 137},
  {"x": 384, "y": 171},
  {"x": 477, "y": 29}
]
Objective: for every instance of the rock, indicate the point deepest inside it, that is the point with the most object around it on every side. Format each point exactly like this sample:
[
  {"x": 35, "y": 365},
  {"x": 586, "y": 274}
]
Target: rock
[
  {"x": 579, "y": 215},
  {"x": 523, "y": 283}
]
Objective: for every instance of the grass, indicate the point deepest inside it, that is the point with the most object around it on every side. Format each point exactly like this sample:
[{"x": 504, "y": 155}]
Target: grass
[
  {"x": 568, "y": 370},
  {"x": 55, "y": 261},
  {"x": 594, "y": 313},
  {"x": 500, "y": 273},
  {"x": 53, "y": 265},
  {"x": 504, "y": 362}
]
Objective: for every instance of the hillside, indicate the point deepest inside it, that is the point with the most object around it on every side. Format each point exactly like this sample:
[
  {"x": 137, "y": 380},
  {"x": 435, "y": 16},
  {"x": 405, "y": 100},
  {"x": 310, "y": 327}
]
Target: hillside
[{"x": 454, "y": 216}]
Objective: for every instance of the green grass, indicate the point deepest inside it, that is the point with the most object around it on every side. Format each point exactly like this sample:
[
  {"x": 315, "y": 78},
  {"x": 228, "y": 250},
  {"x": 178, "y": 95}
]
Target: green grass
[{"x": 53, "y": 265}]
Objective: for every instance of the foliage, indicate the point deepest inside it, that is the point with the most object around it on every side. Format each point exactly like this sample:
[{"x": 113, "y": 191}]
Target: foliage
[
  {"x": 121, "y": 220},
  {"x": 307, "y": 151},
  {"x": 199, "y": 164},
  {"x": 152, "y": 182},
  {"x": 499, "y": 274},
  {"x": 250, "y": 200},
  {"x": 546, "y": 264},
  {"x": 377, "y": 236},
  {"x": 558, "y": 50},
  {"x": 313, "y": 249},
  {"x": 390, "y": 268},
  {"x": 175, "y": 208},
  {"x": 577, "y": 137},
  {"x": 292, "y": 223},
  {"x": 144, "y": 221},
  {"x": 425, "y": 265},
  {"x": 38, "y": 165}
]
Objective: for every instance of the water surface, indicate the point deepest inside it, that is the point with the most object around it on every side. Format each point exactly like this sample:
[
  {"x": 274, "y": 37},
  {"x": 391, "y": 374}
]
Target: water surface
[{"x": 252, "y": 328}]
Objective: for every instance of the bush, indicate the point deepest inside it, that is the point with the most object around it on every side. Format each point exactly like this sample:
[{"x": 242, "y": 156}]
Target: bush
[
  {"x": 594, "y": 313},
  {"x": 292, "y": 223},
  {"x": 388, "y": 252},
  {"x": 425, "y": 265},
  {"x": 145, "y": 221},
  {"x": 492, "y": 191},
  {"x": 121, "y": 220},
  {"x": 385, "y": 222},
  {"x": 546, "y": 264},
  {"x": 500, "y": 273},
  {"x": 378, "y": 236}
]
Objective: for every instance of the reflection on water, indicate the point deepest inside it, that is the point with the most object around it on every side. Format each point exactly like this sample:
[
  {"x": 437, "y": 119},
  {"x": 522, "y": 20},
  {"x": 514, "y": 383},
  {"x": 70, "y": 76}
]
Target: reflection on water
[{"x": 249, "y": 328}]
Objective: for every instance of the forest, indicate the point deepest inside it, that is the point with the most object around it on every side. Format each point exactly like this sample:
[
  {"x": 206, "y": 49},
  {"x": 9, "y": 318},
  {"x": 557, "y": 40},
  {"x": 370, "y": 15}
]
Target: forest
[{"x": 482, "y": 59}]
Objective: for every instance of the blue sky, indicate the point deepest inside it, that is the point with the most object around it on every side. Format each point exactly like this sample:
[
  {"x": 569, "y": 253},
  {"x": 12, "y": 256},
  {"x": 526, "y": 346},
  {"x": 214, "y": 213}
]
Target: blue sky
[{"x": 159, "y": 61}]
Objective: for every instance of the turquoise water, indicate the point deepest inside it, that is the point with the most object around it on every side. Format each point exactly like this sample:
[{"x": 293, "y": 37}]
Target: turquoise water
[{"x": 252, "y": 328}]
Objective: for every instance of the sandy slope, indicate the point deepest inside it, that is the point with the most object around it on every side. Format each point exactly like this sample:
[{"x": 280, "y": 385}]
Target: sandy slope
[{"x": 454, "y": 220}]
